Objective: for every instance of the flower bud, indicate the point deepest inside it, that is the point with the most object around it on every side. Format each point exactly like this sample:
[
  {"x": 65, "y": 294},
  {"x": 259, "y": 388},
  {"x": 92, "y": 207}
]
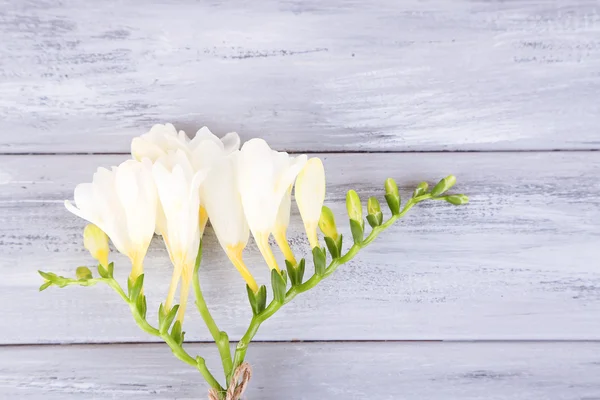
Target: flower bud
[
  {"x": 392, "y": 196},
  {"x": 327, "y": 223},
  {"x": 420, "y": 189},
  {"x": 83, "y": 273},
  {"x": 375, "y": 216},
  {"x": 457, "y": 199},
  {"x": 443, "y": 186},
  {"x": 96, "y": 242},
  {"x": 354, "y": 207}
]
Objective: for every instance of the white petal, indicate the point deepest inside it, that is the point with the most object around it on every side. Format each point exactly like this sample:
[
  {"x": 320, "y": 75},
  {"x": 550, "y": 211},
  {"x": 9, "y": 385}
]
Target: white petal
[
  {"x": 310, "y": 190},
  {"x": 223, "y": 204},
  {"x": 231, "y": 142}
]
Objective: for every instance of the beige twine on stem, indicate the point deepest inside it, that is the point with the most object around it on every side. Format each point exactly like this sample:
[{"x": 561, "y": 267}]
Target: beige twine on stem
[{"x": 235, "y": 390}]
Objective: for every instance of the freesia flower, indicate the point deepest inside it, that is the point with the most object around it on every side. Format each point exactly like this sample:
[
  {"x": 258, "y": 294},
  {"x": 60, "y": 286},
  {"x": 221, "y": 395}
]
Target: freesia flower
[
  {"x": 122, "y": 203},
  {"x": 224, "y": 207},
  {"x": 264, "y": 177},
  {"x": 310, "y": 195},
  {"x": 201, "y": 151},
  {"x": 178, "y": 191},
  {"x": 158, "y": 142}
]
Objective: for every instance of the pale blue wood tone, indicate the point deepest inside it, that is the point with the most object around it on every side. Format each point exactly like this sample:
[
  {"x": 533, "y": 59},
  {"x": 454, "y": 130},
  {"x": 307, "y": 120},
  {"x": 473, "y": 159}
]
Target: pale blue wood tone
[
  {"x": 308, "y": 371},
  {"x": 519, "y": 262},
  {"x": 77, "y": 76}
]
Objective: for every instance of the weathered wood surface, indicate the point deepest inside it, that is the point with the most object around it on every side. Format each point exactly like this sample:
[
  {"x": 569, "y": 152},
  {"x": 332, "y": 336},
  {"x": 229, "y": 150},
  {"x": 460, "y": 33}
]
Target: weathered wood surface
[
  {"x": 312, "y": 75},
  {"x": 385, "y": 371},
  {"x": 518, "y": 262}
]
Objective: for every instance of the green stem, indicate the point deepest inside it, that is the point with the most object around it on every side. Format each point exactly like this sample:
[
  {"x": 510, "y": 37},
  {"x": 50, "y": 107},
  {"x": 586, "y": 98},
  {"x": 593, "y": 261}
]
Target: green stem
[
  {"x": 176, "y": 348},
  {"x": 220, "y": 337},
  {"x": 257, "y": 320}
]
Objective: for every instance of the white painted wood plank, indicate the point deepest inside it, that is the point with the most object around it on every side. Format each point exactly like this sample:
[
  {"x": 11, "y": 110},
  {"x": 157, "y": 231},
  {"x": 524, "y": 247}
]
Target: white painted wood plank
[
  {"x": 461, "y": 371},
  {"x": 519, "y": 262},
  {"x": 311, "y": 75}
]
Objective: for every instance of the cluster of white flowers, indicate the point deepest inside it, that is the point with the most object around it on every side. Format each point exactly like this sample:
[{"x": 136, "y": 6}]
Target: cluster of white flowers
[{"x": 174, "y": 185}]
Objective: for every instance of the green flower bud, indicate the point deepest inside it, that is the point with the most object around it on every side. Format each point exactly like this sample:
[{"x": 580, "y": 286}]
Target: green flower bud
[
  {"x": 327, "y": 223},
  {"x": 83, "y": 273},
  {"x": 354, "y": 207},
  {"x": 457, "y": 199},
  {"x": 420, "y": 189},
  {"x": 443, "y": 186},
  {"x": 375, "y": 216},
  {"x": 392, "y": 196}
]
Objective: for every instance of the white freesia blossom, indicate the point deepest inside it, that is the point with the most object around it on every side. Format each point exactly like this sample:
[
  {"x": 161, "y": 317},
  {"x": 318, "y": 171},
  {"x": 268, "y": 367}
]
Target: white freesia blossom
[
  {"x": 122, "y": 203},
  {"x": 228, "y": 143},
  {"x": 158, "y": 142},
  {"x": 164, "y": 138},
  {"x": 310, "y": 195},
  {"x": 179, "y": 194},
  {"x": 264, "y": 177},
  {"x": 201, "y": 151},
  {"x": 224, "y": 207}
]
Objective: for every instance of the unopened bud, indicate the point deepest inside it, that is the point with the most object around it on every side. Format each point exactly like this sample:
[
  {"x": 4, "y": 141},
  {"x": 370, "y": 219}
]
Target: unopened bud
[
  {"x": 375, "y": 216},
  {"x": 83, "y": 273},
  {"x": 443, "y": 186},
  {"x": 354, "y": 207},
  {"x": 327, "y": 223},
  {"x": 96, "y": 242},
  {"x": 457, "y": 199},
  {"x": 392, "y": 196},
  {"x": 420, "y": 189}
]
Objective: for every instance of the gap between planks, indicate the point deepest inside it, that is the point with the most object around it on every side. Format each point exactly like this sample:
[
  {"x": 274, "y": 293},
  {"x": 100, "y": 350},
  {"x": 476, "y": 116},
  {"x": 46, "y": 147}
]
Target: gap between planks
[
  {"x": 325, "y": 341},
  {"x": 573, "y": 150}
]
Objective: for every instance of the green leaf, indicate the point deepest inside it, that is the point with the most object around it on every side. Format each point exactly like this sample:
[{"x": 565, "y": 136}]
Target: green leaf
[
  {"x": 161, "y": 314},
  {"x": 176, "y": 333},
  {"x": 357, "y": 231},
  {"x": 261, "y": 298},
  {"x": 103, "y": 272},
  {"x": 295, "y": 272},
  {"x": 319, "y": 260},
  {"x": 420, "y": 189},
  {"x": 83, "y": 273},
  {"x": 278, "y": 285},
  {"x": 45, "y": 285},
  {"x": 168, "y": 320},
  {"x": 332, "y": 247},
  {"x": 457, "y": 199},
  {"x": 291, "y": 271},
  {"x": 258, "y": 300},
  {"x": 136, "y": 289},
  {"x": 375, "y": 219},
  {"x": 111, "y": 270},
  {"x": 285, "y": 277},
  {"x": 49, "y": 276},
  {"x": 141, "y": 306},
  {"x": 393, "y": 203},
  {"x": 443, "y": 186},
  {"x": 300, "y": 271}
]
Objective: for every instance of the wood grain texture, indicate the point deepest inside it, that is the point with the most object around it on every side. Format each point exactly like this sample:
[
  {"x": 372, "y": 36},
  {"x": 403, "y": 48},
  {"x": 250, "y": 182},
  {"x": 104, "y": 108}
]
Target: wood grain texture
[
  {"x": 312, "y": 75},
  {"x": 519, "y": 262},
  {"x": 386, "y": 371}
]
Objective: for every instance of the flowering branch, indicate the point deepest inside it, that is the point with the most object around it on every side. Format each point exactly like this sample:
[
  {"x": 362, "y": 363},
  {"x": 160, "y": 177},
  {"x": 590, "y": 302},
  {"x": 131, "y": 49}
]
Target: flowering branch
[
  {"x": 137, "y": 305},
  {"x": 174, "y": 185},
  {"x": 336, "y": 262}
]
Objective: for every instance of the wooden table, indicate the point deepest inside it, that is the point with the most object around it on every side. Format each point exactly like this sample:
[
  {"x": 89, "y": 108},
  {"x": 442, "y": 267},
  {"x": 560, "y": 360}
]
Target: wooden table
[{"x": 499, "y": 299}]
